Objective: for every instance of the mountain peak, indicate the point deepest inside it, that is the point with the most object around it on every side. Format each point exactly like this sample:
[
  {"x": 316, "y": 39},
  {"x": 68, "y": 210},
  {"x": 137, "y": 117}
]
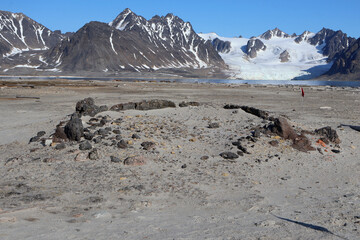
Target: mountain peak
[
  {"x": 276, "y": 32},
  {"x": 125, "y": 18}
]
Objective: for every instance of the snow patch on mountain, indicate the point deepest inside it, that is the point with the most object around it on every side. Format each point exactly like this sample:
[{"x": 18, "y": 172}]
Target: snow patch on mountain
[{"x": 305, "y": 60}]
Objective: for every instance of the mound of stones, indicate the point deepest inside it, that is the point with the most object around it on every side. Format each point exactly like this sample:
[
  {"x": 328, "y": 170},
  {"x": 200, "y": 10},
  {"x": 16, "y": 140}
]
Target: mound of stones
[{"x": 279, "y": 126}]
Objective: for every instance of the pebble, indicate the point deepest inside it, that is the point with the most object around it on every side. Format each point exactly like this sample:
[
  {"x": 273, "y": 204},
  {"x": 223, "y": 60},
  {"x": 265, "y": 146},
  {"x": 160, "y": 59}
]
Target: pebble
[
  {"x": 89, "y": 135},
  {"x": 122, "y": 144},
  {"x": 229, "y": 155},
  {"x": 335, "y": 150},
  {"x": 60, "y": 146},
  {"x": 34, "y": 139},
  {"x": 97, "y": 140},
  {"x": 115, "y": 159},
  {"x": 81, "y": 157},
  {"x": 85, "y": 146},
  {"x": 204, "y": 158},
  {"x": 135, "y": 161},
  {"x": 41, "y": 133},
  {"x": 94, "y": 155},
  {"x": 148, "y": 145},
  {"x": 135, "y": 136},
  {"x": 214, "y": 125},
  {"x": 116, "y": 131}
]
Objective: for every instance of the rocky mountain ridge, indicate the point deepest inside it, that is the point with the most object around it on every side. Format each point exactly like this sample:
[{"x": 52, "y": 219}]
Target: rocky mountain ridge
[
  {"x": 20, "y": 33},
  {"x": 347, "y": 63}
]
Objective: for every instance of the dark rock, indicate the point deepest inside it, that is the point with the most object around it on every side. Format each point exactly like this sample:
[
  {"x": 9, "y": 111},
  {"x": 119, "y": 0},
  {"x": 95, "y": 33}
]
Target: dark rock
[
  {"x": 274, "y": 143},
  {"x": 88, "y": 107},
  {"x": 253, "y": 46},
  {"x": 94, "y": 155},
  {"x": 204, "y": 158},
  {"x": 89, "y": 135},
  {"x": 115, "y": 159},
  {"x": 108, "y": 129},
  {"x": 240, "y": 147},
  {"x": 329, "y": 133},
  {"x": 214, "y": 125},
  {"x": 302, "y": 143},
  {"x": 97, "y": 140},
  {"x": 102, "y": 132},
  {"x": 232, "y": 106},
  {"x": 74, "y": 129},
  {"x": 154, "y": 104},
  {"x": 34, "y": 139},
  {"x": 135, "y": 136},
  {"x": 148, "y": 145},
  {"x": 183, "y": 166},
  {"x": 282, "y": 128},
  {"x": 335, "y": 150},
  {"x": 59, "y": 134},
  {"x": 284, "y": 56},
  {"x": 122, "y": 144},
  {"x": 60, "y": 146},
  {"x": 102, "y": 122},
  {"x": 135, "y": 161},
  {"x": 257, "y": 112},
  {"x": 229, "y": 155},
  {"x": 85, "y": 146},
  {"x": 256, "y": 133},
  {"x": 144, "y": 105},
  {"x": 118, "y": 137},
  {"x": 116, "y": 131},
  {"x": 186, "y": 104},
  {"x": 240, "y": 153},
  {"x": 221, "y": 46},
  {"x": 41, "y": 133},
  {"x": 123, "y": 106}
]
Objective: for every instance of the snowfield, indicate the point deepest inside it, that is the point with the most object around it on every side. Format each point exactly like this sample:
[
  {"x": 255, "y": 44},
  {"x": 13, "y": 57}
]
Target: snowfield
[{"x": 306, "y": 61}]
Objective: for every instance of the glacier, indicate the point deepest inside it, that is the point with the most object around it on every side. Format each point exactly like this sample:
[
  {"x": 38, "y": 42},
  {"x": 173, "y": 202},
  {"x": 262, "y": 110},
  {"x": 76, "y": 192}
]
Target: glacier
[{"x": 306, "y": 60}]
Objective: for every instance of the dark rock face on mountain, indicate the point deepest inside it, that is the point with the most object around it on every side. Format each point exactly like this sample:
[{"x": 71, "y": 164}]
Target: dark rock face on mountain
[
  {"x": 254, "y": 46},
  {"x": 221, "y": 46},
  {"x": 274, "y": 33},
  {"x": 335, "y": 42},
  {"x": 304, "y": 37},
  {"x": 131, "y": 43},
  {"x": 284, "y": 56},
  {"x": 19, "y": 32},
  {"x": 348, "y": 62}
]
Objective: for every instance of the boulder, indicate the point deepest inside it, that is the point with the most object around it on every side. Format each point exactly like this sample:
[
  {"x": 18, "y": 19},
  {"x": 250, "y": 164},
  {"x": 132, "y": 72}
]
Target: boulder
[
  {"x": 74, "y": 129},
  {"x": 282, "y": 128},
  {"x": 329, "y": 133},
  {"x": 88, "y": 107}
]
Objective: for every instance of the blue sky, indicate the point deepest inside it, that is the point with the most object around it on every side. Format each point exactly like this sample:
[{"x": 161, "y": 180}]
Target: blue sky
[{"x": 225, "y": 17}]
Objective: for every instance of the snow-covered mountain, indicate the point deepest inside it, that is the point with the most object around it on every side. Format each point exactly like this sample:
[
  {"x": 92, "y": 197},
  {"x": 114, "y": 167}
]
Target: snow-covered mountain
[
  {"x": 20, "y": 33},
  {"x": 132, "y": 43},
  {"x": 275, "y": 55}
]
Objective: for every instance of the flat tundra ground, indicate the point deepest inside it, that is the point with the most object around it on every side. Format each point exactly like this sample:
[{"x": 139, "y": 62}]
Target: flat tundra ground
[{"x": 162, "y": 174}]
